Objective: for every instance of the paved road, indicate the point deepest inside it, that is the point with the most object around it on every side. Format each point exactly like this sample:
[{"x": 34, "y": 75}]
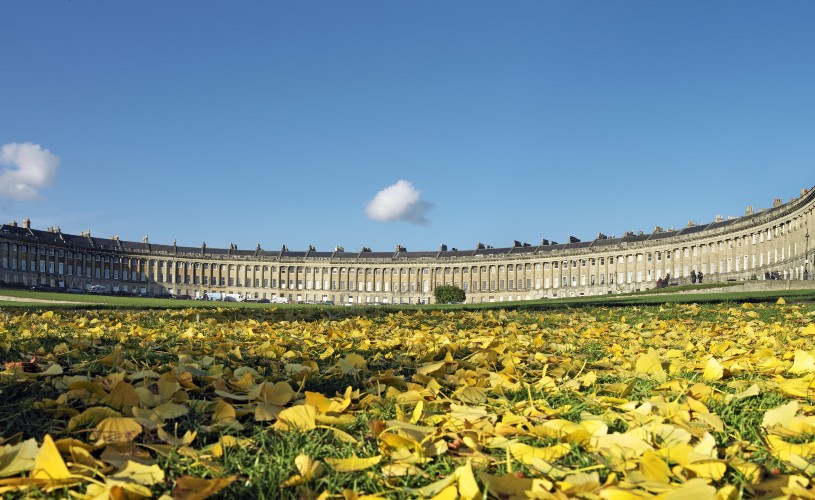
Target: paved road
[{"x": 44, "y": 301}]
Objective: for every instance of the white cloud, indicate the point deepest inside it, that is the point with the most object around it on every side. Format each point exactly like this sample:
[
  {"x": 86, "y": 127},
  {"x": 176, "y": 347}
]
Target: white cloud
[
  {"x": 398, "y": 202},
  {"x": 28, "y": 168}
]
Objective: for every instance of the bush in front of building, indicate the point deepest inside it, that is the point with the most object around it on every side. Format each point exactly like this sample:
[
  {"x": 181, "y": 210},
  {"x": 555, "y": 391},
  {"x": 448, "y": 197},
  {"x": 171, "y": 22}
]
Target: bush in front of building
[{"x": 448, "y": 294}]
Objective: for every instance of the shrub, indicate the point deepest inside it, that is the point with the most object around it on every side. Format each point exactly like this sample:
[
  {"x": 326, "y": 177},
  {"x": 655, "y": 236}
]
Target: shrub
[{"x": 448, "y": 294}]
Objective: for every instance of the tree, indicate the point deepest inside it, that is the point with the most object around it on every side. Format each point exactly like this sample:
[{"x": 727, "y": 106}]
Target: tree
[{"x": 448, "y": 294}]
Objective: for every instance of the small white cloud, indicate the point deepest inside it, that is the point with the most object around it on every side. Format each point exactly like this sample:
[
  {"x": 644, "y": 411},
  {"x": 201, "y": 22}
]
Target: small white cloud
[
  {"x": 29, "y": 168},
  {"x": 398, "y": 202}
]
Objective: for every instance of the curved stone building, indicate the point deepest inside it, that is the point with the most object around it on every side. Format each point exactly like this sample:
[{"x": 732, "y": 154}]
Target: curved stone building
[{"x": 763, "y": 244}]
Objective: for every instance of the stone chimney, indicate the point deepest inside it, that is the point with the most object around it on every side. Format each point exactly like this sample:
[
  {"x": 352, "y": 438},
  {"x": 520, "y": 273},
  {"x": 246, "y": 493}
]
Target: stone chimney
[
  {"x": 27, "y": 223},
  {"x": 777, "y": 202},
  {"x": 749, "y": 210}
]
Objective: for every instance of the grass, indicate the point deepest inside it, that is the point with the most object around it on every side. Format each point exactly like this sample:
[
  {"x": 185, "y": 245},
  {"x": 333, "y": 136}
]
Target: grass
[
  {"x": 648, "y": 297},
  {"x": 567, "y": 340}
]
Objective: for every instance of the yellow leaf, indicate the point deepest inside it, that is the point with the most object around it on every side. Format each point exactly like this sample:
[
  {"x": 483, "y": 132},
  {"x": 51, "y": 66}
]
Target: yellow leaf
[
  {"x": 91, "y": 417},
  {"x": 401, "y": 470},
  {"x": 471, "y": 395},
  {"x": 187, "y": 439},
  {"x": 352, "y": 464},
  {"x": 195, "y": 488},
  {"x": 448, "y": 493},
  {"x": 146, "y": 475},
  {"x": 708, "y": 469},
  {"x": 654, "y": 468},
  {"x": 123, "y": 397},
  {"x": 780, "y": 301},
  {"x": 224, "y": 412},
  {"x": 580, "y": 482},
  {"x": 649, "y": 364},
  {"x": 510, "y": 486},
  {"x": 279, "y": 394},
  {"x": 327, "y": 353},
  {"x": 324, "y": 404},
  {"x": 167, "y": 386},
  {"x": 49, "y": 463},
  {"x": 308, "y": 467},
  {"x": 116, "y": 430},
  {"x": 713, "y": 370},
  {"x": 525, "y": 453},
  {"x": 693, "y": 489},
  {"x": 265, "y": 412},
  {"x": 335, "y": 419},
  {"x": 750, "y": 470},
  {"x": 781, "y": 415},
  {"x": 431, "y": 368},
  {"x": 170, "y": 410},
  {"x": 804, "y": 362},
  {"x": 18, "y": 458},
  {"x": 751, "y": 391},
  {"x": 467, "y": 486},
  {"x": 300, "y": 418}
]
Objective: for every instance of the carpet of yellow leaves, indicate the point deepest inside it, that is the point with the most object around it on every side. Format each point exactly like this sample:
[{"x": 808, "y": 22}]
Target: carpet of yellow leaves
[{"x": 619, "y": 403}]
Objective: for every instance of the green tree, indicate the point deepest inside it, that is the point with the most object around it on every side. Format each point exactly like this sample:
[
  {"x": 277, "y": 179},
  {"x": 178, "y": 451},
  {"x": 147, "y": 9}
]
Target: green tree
[{"x": 448, "y": 294}]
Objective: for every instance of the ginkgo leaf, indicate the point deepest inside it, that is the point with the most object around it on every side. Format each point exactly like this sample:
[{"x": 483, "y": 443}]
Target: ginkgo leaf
[
  {"x": 195, "y": 488},
  {"x": 781, "y": 415},
  {"x": 308, "y": 467},
  {"x": 708, "y": 469},
  {"x": 693, "y": 489},
  {"x": 525, "y": 453},
  {"x": 650, "y": 364},
  {"x": 91, "y": 417},
  {"x": 654, "y": 468},
  {"x": 116, "y": 430},
  {"x": 146, "y": 475},
  {"x": 224, "y": 412},
  {"x": 49, "y": 463},
  {"x": 122, "y": 397},
  {"x": 713, "y": 370},
  {"x": 471, "y": 395},
  {"x": 300, "y": 418},
  {"x": 353, "y": 463},
  {"x": 341, "y": 435},
  {"x": 18, "y": 458},
  {"x": 265, "y": 412},
  {"x": 187, "y": 439},
  {"x": 804, "y": 362}
]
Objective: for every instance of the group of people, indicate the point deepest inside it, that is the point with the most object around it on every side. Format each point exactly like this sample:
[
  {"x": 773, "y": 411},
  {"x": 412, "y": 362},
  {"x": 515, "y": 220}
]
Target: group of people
[
  {"x": 663, "y": 282},
  {"x": 696, "y": 277},
  {"x": 774, "y": 275}
]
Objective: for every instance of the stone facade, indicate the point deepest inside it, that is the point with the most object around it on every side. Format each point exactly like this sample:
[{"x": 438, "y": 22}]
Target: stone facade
[{"x": 771, "y": 243}]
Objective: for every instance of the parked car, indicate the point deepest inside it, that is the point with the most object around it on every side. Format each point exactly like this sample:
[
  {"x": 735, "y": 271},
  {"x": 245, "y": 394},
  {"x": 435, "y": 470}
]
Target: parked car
[
  {"x": 98, "y": 289},
  {"x": 74, "y": 290}
]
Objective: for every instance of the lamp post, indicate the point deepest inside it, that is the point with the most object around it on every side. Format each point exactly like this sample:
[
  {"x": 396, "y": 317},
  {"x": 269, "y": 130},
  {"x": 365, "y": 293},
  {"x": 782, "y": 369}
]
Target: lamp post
[{"x": 806, "y": 255}]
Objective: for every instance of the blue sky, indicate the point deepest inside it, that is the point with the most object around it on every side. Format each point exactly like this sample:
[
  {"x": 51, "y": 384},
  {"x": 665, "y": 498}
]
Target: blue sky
[{"x": 279, "y": 122}]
